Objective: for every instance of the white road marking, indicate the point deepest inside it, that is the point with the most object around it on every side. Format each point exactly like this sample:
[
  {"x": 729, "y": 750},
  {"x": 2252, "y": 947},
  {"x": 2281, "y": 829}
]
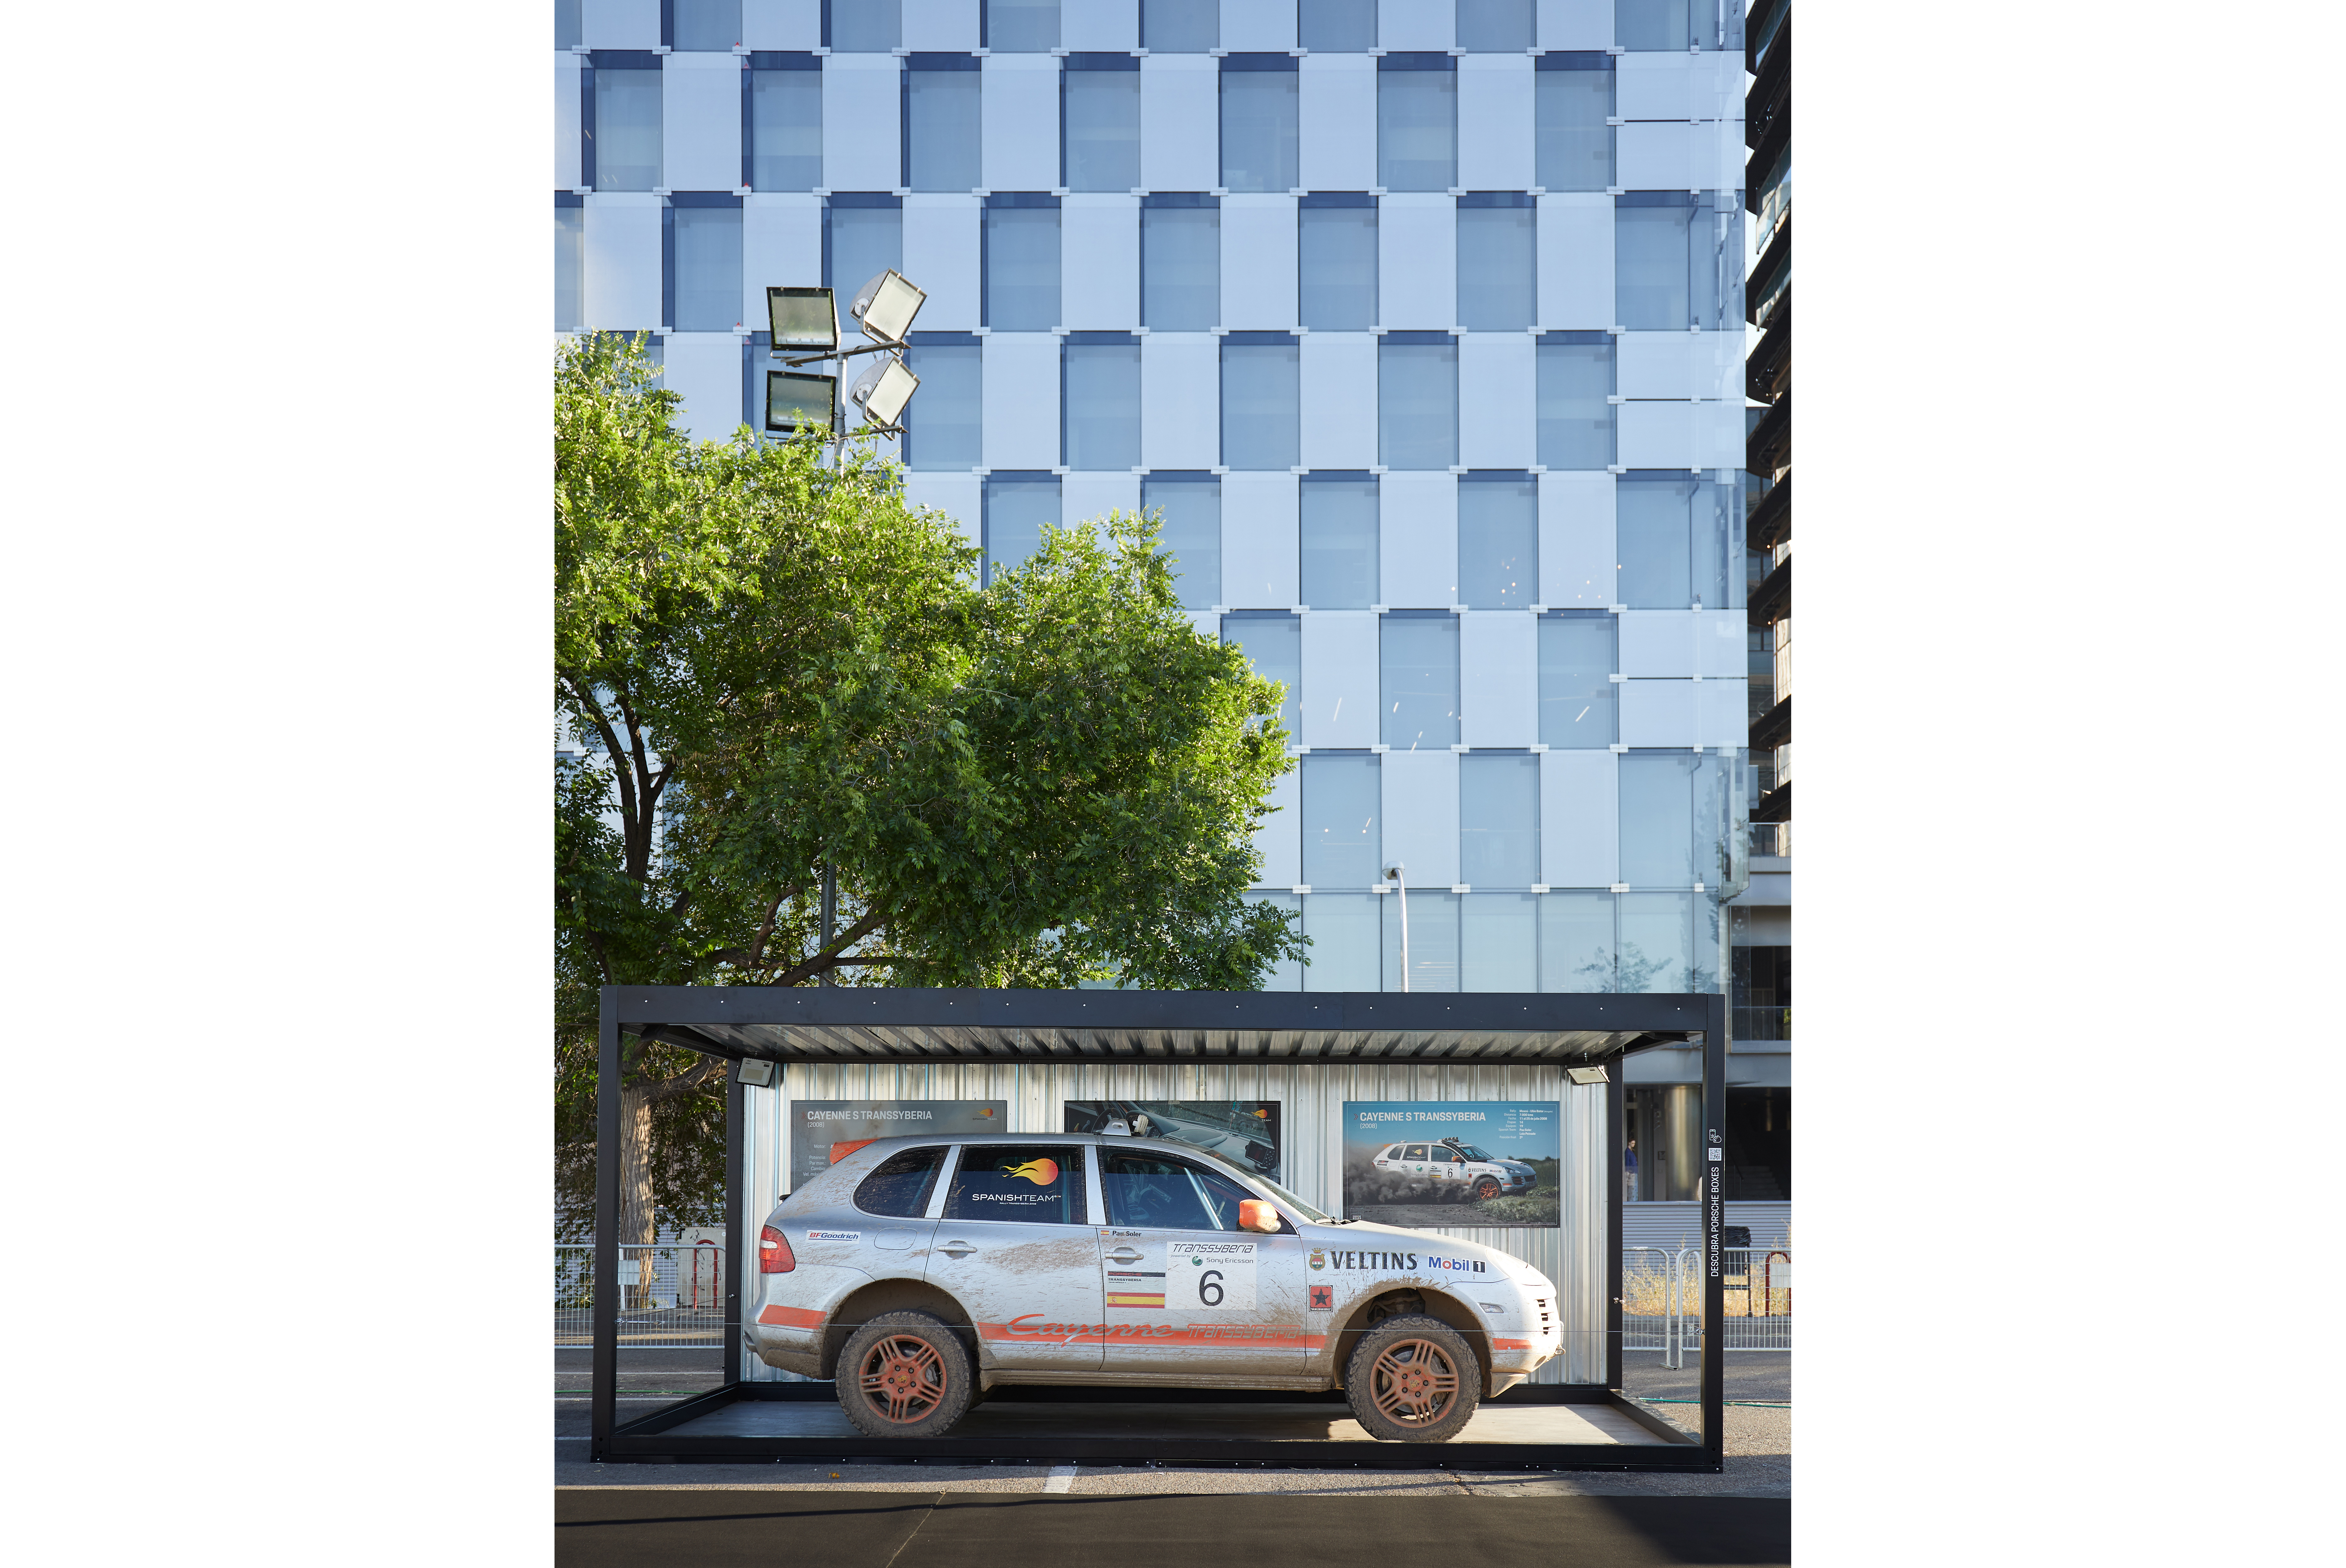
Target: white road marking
[{"x": 1063, "y": 1477}]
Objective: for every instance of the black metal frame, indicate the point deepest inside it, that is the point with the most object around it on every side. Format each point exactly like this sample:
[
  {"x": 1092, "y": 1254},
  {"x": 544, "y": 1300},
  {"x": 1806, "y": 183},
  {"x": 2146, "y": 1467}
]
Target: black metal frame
[{"x": 1376, "y": 1026}]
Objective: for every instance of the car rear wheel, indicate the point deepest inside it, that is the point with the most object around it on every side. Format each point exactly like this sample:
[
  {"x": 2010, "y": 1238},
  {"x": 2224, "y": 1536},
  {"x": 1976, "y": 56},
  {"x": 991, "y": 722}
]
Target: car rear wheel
[
  {"x": 1413, "y": 1378},
  {"x": 904, "y": 1374}
]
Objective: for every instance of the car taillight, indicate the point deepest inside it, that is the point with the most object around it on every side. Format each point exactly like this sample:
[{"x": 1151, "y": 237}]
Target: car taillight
[{"x": 774, "y": 1252}]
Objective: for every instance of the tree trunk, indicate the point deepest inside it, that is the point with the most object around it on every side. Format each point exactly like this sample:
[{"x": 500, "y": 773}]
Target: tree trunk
[{"x": 637, "y": 1222}]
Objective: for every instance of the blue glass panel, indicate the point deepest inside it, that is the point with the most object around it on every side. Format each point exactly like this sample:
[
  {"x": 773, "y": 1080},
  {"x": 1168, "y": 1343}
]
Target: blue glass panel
[
  {"x": 1336, "y": 266},
  {"x": 1181, "y": 27},
  {"x": 1341, "y": 802},
  {"x": 1343, "y": 933},
  {"x": 708, "y": 268},
  {"x": 1274, "y": 644},
  {"x": 1417, "y": 129},
  {"x": 1498, "y": 941},
  {"x": 1103, "y": 128},
  {"x": 1022, "y": 26},
  {"x": 1180, "y": 268},
  {"x": 1498, "y": 278},
  {"x": 862, "y": 26},
  {"x": 943, "y": 418},
  {"x": 1576, "y": 690},
  {"x": 1417, "y": 405},
  {"x": 1022, "y": 269},
  {"x": 1101, "y": 400},
  {"x": 1339, "y": 539},
  {"x": 1433, "y": 921},
  {"x": 626, "y": 131},
  {"x": 1495, "y": 25},
  {"x": 1498, "y": 820},
  {"x": 1015, "y": 512},
  {"x": 1191, "y": 534},
  {"x": 1259, "y": 144},
  {"x": 1262, "y": 408},
  {"x": 1575, "y": 145},
  {"x": 1574, "y": 416},
  {"x": 786, "y": 130},
  {"x": 1498, "y": 543},
  {"x": 941, "y": 120},
  {"x": 1418, "y": 677},
  {"x": 1576, "y": 942},
  {"x": 706, "y": 24}
]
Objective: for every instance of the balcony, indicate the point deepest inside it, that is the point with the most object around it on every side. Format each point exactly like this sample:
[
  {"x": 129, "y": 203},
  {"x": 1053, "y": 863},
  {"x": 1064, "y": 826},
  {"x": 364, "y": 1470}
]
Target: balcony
[
  {"x": 1770, "y": 521},
  {"x": 1770, "y": 286},
  {"x": 1768, "y": 374},
  {"x": 1774, "y": 728},
  {"x": 1769, "y": 448},
  {"x": 1760, "y": 1022},
  {"x": 1771, "y": 600}
]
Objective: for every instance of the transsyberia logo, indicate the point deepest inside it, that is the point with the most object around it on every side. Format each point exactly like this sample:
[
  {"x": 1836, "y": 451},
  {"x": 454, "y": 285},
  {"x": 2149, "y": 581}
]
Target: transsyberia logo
[{"x": 1042, "y": 1173}]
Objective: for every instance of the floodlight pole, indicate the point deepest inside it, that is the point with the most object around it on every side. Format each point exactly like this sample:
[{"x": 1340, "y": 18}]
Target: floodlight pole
[
  {"x": 879, "y": 348},
  {"x": 1401, "y": 886}
]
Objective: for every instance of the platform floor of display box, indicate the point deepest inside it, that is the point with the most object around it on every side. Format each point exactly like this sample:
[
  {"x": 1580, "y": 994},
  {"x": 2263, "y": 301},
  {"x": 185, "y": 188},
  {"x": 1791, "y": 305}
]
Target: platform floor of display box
[{"x": 1320, "y": 1422}]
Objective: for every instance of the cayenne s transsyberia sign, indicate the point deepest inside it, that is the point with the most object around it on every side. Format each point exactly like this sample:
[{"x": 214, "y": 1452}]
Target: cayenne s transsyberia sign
[
  {"x": 1451, "y": 1162},
  {"x": 823, "y": 1132}
]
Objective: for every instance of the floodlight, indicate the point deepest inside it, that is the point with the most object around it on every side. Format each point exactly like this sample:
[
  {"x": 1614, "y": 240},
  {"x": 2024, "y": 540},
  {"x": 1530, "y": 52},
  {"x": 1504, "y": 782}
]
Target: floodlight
[
  {"x": 801, "y": 319},
  {"x": 756, "y": 1072},
  {"x": 885, "y": 307},
  {"x": 1585, "y": 1074},
  {"x": 883, "y": 391},
  {"x": 797, "y": 402}
]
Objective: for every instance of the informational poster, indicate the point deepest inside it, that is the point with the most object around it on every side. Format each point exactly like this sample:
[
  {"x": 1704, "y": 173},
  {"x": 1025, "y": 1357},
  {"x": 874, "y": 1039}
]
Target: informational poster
[
  {"x": 824, "y": 1131},
  {"x": 1243, "y": 1131},
  {"x": 1452, "y": 1163}
]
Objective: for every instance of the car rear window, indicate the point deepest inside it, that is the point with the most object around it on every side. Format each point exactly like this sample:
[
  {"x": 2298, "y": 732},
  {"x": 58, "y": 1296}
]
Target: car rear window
[
  {"x": 901, "y": 1184},
  {"x": 1414, "y": 1152},
  {"x": 1032, "y": 1184}
]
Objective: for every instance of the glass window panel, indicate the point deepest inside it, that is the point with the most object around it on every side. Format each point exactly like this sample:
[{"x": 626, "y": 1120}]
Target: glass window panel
[
  {"x": 1151, "y": 1192},
  {"x": 1575, "y": 935},
  {"x": 1192, "y": 536},
  {"x": 1491, "y": 25},
  {"x": 706, "y": 24},
  {"x": 1650, "y": 273},
  {"x": 1022, "y": 26},
  {"x": 1336, "y": 267},
  {"x": 570, "y": 268},
  {"x": 1180, "y": 268},
  {"x": 940, "y": 116},
  {"x": 865, "y": 241},
  {"x": 1576, "y": 690},
  {"x": 1287, "y": 974},
  {"x": 1498, "y": 941},
  {"x": 1417, "y": 129},
  {"x": 1657, "y": 793},
  {"x": 1015, "y": 512},
  {"x": 708, "y": 268},
  {"x": 1274, "y": 646},
  {"x": 1101, "y": 401},
  {"x": 1432, "y": 940},
  {"x": 1653, "y": 531},
  {"x": 865, "y": 27},
  {"x": 1341, "y": 845},
  {"x": 1658, "y": 943},
  {"x": 1339, "y": 543},
  {"x": 996, "y": 1181},
  {"x": 1259, "y": 130},
  {"x": 1576, "y": 419},
  {"x": 1652, "y": 25},
  {"x": 1103, "y": 129},
  {"x": 786, "y": 130},
  {"x": 941, "y": 422},
  {"x": 1343, "y": 930},
  {"x": 626, "y": 131},
  {"x": 1718, "y": 802},
  {"x": 1716, "y": 550},
  {"x": 1022, "y": 269},
  {"x": 1498, "y": 820},
  {"x": 566, "y": 23},
  {"x": 1575, "y": 145},
  {"x": 1181, "y": 27},
  {"x": 1417, "y": 405},
  {"x": 1497, "y": 272},
  {"x": 1498, "y": 543},
  {"x": 1262, "y": 420},
  {"x": 1336, "y": 25},
  {"x": 1418, "y": 674}
]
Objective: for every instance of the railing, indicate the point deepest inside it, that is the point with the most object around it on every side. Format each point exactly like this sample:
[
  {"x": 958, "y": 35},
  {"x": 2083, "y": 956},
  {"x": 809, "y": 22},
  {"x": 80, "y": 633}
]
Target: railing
[
  {"x": 670, "y": 1297},
  {"x": 1661, "y": 1300}
]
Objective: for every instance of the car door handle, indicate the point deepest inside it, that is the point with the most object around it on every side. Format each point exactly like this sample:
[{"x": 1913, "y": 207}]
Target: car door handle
[
  {"x": 956, "y": 1249},
  {"x": 1125, "y": 1257}
]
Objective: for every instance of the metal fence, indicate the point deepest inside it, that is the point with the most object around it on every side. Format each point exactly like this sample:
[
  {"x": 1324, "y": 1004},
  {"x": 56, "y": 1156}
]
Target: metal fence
[
  {"x": 1661, "y": 1299},
  {"x": 670, "y": 1297}
]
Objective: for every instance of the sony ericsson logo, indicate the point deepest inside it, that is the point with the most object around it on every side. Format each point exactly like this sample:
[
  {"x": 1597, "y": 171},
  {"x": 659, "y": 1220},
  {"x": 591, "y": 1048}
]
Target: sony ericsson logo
[{"x": 1042, "y": 1173}]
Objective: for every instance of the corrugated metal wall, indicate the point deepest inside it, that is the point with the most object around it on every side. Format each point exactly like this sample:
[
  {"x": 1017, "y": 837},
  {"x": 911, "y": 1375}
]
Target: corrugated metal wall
[{"x": 1310, "y": 1097}]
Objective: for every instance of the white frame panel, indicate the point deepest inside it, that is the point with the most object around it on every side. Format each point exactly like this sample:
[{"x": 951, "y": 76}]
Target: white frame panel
[
  {"x": 862, "y": 123},
  {"x": 700, "y": 122},
  {"x": 945, "y": 26},
  {"x": 1181, "y": 400},
  {"x": 568, "y": 129},
  {"x": 941, "y": 252},
  {"x": 1723, "y": 712},
  {"x": 1339, "y": 387},
  {"x": 794, "y": 25},
  {"x": 1339, "y": 692},
  {"x": 1497, "y": 143},
  {"x": 1418, "y": 794},
  {"x": 622, "y": 290},
  {"x": 1019, "y": 120},
  {"x": 1657, "y": 87},
  {"x": 1658, "y": 644},
  {"x": 1659, "y": 713},
  {"x": 1258, "y": 263},
  {"x": 1576, "y": 262},
  {"x": 1576, "y": 24},
  {"x": 1180, "y": 122},
  {"x": 782, "y": 246},
  {"x": 1256, "y": 26},
  {"x": 1417, "y": 262},
  {"x": 1102, "y": 293},
  {"x": 1417, "y": 540},
  {"x": 1085, "y": 494},
  {"x": 1498, "y": 398},
  {"x": 1280, "y": 836},
  {"x": 705, "y": 370},
  {"x": 1580, "y": 819},
  {"x": 1261, "y": 527},
  {"x": 1579, "y": 567},
  {"x": 961, "y": 496},
  {"x": 619, "y": 23},
  {"x": 1336, "y": 129},
  {"x": 1657, "y": 155},
  {"x": 1099, "y": 26},
  {"x": 1498, "y": 677},
  {"x": 1660, "y": 434},
  {"x": 1721, "y": 644},
  {"x": 1415, "y": 26},
  {"x": 1020, "y": 400}
]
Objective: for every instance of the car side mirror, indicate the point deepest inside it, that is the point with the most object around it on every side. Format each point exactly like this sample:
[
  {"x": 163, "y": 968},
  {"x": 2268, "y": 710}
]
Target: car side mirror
[{"x": 1258, "y": 1214}]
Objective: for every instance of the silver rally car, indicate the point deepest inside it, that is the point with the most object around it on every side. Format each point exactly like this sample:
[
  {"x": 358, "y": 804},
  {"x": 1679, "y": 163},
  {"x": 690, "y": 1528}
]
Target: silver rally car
[{"x": 919, "y": 1273}]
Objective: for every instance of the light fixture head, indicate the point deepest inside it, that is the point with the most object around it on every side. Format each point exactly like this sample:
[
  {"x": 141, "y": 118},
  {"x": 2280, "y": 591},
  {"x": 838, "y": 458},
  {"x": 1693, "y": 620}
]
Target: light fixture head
[
  {"x": 1587, "y": 1075},
  {"x": 1393, "y": 870},
  {"x": 802, "y": 320},
  {"x": 796, "y": 401},
  {"x": 756, "y": 1072},
  {"x": 884, "y": 307},
  {"x": 882, "y": 390}
]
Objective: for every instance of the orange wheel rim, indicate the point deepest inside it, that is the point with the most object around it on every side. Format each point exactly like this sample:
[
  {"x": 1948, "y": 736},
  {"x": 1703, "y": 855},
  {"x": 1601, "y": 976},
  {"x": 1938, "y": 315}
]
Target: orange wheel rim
[
  {"x": 903, "y": 1377},
  {"x": 1414, "y": 1382}
]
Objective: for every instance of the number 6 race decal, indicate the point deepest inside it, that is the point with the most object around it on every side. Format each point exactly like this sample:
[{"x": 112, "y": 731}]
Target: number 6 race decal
[{"x": 1204, "y": 1274}]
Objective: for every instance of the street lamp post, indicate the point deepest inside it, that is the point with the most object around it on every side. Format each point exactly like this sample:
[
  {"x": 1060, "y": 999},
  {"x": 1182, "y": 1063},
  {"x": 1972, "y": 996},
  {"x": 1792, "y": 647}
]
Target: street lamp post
[{"x": 1401, "y": 886}]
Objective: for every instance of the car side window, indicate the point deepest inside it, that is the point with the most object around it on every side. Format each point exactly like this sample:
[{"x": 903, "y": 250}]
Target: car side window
[
  {"x": 1414, "y": 1152},
  {"x": 1032, "y": 1183},
  {"x": 1151, "y": 1192},
  {"x": 901, "y": 1186}
]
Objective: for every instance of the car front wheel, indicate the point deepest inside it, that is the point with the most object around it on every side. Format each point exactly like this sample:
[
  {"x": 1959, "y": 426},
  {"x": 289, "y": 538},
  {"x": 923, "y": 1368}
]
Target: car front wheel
[
  {"x": 1413, "y": 1379},
  {"x": 1486, "y": 1189},
  {"x": 904, "y": 1374}
]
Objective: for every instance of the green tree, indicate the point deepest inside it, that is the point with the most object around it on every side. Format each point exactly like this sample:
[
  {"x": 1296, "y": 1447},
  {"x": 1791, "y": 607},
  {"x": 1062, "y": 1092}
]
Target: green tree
[{"x": 773, "y": 666}]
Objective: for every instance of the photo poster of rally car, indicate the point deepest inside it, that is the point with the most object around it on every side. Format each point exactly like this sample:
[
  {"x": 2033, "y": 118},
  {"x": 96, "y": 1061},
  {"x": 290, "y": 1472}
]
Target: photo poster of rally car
[
  {"x": 825, "y": 1130},
  {"x": 1243, "y": 1131},
  {"x": 1451, "y": 1162}
]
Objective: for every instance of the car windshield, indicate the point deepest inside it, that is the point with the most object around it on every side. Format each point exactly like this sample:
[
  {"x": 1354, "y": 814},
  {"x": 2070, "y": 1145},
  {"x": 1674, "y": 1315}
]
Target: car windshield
[
  {"x": 1260, "y": 1183},
  {"x": 1471, "y": 1153}
]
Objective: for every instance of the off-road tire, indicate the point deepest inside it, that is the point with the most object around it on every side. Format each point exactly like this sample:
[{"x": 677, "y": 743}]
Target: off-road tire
[
  {"x": 905, "y": 1374},
  {"x": 1486, "y": 1188},
  {"x": 1414, "y": 1378}
]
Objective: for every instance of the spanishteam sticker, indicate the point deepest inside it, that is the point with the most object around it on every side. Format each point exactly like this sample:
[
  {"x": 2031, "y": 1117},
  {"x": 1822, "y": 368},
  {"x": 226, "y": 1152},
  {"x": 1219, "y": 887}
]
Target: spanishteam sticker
[{"x": 1204, "y": 1274}]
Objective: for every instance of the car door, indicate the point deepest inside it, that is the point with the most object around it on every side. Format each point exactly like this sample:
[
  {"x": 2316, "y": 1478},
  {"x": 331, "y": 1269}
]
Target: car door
[
  {"x": 1016, "y": 1245},
  {"x": 1188, "y": 1291}
]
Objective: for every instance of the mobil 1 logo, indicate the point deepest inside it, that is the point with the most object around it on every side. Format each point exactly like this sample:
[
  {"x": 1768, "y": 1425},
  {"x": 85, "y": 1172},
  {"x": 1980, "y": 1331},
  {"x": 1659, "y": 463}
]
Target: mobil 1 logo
[{"x": 1204, "y": 1274}]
